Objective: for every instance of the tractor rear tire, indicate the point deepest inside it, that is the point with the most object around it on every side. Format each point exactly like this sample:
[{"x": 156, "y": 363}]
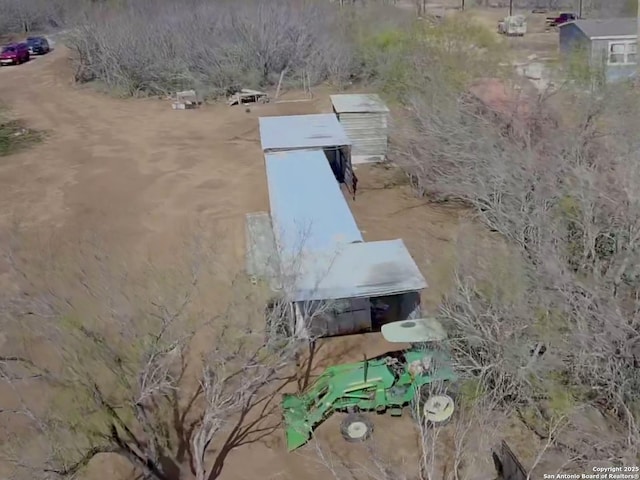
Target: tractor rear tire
[
  {"x": 435, "y": 408},
  {"x": 356, "y": 428}
]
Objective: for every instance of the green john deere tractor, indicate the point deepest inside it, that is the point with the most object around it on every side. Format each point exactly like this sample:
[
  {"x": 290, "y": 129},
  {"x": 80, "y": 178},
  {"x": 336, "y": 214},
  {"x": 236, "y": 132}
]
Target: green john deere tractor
[{"x": 417, "y": 376}]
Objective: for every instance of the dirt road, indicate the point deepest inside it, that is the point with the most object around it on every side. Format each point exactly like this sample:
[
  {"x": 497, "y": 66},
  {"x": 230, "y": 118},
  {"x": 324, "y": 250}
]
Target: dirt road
[{"x": 135, "y": 173}]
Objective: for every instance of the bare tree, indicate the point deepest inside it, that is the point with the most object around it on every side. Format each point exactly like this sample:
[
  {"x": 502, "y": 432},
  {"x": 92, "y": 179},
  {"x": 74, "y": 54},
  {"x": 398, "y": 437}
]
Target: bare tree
[
  {"x": 560, "y": 194},
  {"x": 150, "y": 47},
  {"x": 98, "y": 363}
]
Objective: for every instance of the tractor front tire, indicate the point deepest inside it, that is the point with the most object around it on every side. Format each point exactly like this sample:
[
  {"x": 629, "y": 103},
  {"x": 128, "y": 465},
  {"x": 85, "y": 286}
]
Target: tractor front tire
[{"x": 356, "y": 428}]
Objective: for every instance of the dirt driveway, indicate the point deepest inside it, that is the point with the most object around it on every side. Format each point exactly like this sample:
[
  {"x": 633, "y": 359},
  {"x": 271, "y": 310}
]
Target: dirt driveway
[
  {"x": 134, "y": 171},
  {"x": 137, "y": 174}
]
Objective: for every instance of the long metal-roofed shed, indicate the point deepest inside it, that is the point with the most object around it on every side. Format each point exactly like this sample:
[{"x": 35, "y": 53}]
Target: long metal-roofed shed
[
  {"x": 308, "y": 210},
  {"x": 316, "y": 132},
  {"x": 365, "y": 119},
  {"x": 335, "y": 282}
]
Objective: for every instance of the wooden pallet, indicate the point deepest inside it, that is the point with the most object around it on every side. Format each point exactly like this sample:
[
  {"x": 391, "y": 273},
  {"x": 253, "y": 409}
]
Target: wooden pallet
[{"x": 247, "y": 96}]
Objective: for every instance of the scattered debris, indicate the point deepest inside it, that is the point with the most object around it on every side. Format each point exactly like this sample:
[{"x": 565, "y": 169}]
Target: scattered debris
[
  {"x": 186, "y": 100},
  {"x": 247, "y": 96}
]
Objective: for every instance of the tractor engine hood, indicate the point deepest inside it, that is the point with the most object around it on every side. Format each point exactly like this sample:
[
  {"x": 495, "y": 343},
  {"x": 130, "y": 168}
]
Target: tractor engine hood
[{"x": 414, "y": 331}]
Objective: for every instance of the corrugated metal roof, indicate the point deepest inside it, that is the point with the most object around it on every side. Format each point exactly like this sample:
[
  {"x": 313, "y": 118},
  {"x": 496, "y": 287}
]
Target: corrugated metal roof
[
  {"x": 358, "y": 103},
  {"x": 301, "y": 131},
  {"x": 322, "y": 253},
  {"x": 607, "y": 27},
  {"x": 308, "y": 210},
  {"x": 357, "y": 270}
]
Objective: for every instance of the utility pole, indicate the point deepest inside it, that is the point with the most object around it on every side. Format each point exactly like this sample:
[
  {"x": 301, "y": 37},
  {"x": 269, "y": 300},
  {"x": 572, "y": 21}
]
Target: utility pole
[
  {"x": 511, "y": 7},
  {"x": 580, "y": 10},
  {"x": 463, "y": 5}
]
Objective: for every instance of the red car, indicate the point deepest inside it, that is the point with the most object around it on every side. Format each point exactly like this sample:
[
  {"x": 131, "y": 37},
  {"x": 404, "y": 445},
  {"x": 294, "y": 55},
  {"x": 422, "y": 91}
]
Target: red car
[
  {"x": 14, "y": 53},
  {"x": 562, "y": 19}
]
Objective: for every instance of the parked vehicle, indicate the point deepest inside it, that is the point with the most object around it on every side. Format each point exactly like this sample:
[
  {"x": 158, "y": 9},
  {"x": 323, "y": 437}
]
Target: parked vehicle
[
  {"x": 38, "y": 45},
  {"x": 516, "y": 25},
  {"x": 14, "y": 53},
  {"x": 561, "y": 19}
]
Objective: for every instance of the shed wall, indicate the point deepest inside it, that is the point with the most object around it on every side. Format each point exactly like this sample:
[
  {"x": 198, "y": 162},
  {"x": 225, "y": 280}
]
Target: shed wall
[
  {"x": 613, "y": 73},
  {"x": 263, "y": 261},
  {"x": 342, "y": 317},
  {"x": 572, "y": 40},
  {"x": 368, "y": 132}
]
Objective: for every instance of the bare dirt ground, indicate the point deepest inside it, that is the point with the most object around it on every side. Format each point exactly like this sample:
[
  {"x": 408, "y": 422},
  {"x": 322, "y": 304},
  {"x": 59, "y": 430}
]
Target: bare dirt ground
[
  {"x": 539, "y": 40},
  {"x": 138, "y": 175}
]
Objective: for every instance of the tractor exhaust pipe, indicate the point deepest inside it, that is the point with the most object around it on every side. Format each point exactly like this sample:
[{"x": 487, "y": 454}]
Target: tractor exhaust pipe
[{"x": 366, "y": 367}]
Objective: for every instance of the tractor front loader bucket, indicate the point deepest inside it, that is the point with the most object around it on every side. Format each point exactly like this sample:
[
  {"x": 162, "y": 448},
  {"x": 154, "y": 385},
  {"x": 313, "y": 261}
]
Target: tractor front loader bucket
[
  {"x": 296, "y": 438},
  {"x": 296, "y": 424}
]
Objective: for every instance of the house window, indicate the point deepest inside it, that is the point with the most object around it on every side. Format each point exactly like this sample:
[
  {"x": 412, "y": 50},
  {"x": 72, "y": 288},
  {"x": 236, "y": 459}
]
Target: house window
[
  {"x": 631, "y": 52},
  {"x": 622, "y": 53}
]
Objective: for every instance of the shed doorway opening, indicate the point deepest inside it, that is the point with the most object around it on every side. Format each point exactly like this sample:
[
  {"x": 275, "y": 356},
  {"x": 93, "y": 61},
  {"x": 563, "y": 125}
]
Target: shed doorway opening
[
  {"x": 338, "y": 158},
  {"x": 345, "y": 316}
]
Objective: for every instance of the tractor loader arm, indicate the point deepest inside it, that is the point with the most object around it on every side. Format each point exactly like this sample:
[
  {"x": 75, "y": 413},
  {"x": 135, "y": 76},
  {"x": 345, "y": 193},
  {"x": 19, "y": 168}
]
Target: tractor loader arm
[
  {"x": 303, "y": 412},
  {"x": 298, "y": 431}
]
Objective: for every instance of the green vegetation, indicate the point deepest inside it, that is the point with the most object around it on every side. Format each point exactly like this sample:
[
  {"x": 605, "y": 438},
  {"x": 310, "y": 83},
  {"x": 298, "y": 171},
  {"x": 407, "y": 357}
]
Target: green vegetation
[
  {"x": 448, "y": 53},
  {"x": 15, "y": 136},
  {"x": 470, "y": 392}
]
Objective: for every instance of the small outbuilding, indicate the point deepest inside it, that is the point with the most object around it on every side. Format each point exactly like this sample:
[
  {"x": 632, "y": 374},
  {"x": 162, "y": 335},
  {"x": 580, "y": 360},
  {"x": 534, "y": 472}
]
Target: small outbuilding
[
  {"x": 365, "y": 119},
  {"x": 310, "y": 132},
  {"x": 334, "y": 282},
  {"x": 606, "y": 45}
]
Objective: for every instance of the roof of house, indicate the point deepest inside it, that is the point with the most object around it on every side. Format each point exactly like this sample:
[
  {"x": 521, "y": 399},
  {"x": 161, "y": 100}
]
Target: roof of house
[
  {"x": 308, "y": 210},
  {"x": 301, "y": 131},
  {"x": 322, "y": 253},
  {"x": 607, "y": 27},
  {"x": 358, "y": 103}
]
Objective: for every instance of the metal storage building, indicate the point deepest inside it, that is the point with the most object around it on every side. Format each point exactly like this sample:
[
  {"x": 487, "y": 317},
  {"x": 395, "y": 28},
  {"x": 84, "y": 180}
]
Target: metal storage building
[
  {"x": 365, "y": 119},
  {"x": 323, "y": 258},
  {"x": 303, "y": 132}
]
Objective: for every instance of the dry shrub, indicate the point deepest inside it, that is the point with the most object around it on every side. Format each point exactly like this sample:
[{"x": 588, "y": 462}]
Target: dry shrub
[
  {"x": 104, "y": 358},
  {"x": 159, "y": 47},
  {"x": 562, "y": 196}
]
